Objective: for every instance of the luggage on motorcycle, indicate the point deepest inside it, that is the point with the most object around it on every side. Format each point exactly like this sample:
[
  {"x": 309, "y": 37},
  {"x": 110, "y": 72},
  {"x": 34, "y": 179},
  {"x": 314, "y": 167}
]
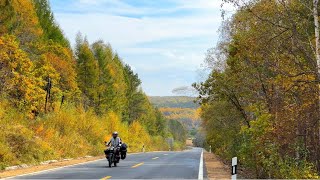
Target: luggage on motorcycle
[
  {"x": 123, "y": 151},
  {"x": 123, "y": 155},
  {"x": 123, "y": 147}
]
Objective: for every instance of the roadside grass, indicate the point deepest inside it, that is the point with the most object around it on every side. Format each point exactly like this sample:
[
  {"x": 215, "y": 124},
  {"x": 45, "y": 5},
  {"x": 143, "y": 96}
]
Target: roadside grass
[{"x": 67, "y": 133}]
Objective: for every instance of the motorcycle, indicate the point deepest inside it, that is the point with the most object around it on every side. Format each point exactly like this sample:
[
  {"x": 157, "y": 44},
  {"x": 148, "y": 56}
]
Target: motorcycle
[
  {"x": 114, "y": 154},
  {"x": 112, "y": 157}
]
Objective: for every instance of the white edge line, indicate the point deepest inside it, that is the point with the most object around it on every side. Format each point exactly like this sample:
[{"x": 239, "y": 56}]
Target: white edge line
[
  {"x": 57, "y": 168},
  {"x": 200, "y": 176}
]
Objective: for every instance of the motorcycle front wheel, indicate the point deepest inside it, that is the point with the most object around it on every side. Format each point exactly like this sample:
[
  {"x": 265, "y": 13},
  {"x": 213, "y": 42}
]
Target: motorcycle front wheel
[{"x": 110, "y": 160}]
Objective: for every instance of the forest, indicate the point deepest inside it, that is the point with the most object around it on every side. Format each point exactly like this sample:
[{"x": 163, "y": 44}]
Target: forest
[
  {"x": 61, "y": 102},
  {"x": 261, "y": 99}
]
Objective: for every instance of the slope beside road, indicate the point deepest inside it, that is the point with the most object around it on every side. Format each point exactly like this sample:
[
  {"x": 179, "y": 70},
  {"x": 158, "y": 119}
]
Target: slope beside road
[{"x": 156, "y": 165}]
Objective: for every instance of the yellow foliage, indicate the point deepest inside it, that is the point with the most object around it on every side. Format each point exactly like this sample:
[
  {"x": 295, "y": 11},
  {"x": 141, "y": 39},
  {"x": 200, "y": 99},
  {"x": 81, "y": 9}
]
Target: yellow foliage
[
  {"x": 61, "y": 59},
  {"x": 114, "y": 122},
  {"x": 134, "y": 135},
  {"x": 18, "y": 17},
  {"x": 181, "y": 113},
  {"x": 197, "y": 114},
  {"x": 27, "y": 18},
  {"x": 139, "y": 136},
  {"x": 17, "y": 76}
]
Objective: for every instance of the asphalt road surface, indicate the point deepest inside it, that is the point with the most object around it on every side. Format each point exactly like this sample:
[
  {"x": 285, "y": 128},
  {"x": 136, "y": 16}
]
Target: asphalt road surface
[{"x": 186, "y": 164}]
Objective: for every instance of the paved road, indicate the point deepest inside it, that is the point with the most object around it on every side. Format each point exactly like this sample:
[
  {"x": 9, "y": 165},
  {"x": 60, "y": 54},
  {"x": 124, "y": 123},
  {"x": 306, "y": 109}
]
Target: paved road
[{"x": 155, "y": 165}]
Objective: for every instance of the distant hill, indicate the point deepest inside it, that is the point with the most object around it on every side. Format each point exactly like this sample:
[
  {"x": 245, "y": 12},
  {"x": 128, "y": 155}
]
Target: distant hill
[
  {"x": 180, "y": 108},
  {"x": 174, "y": 102}
]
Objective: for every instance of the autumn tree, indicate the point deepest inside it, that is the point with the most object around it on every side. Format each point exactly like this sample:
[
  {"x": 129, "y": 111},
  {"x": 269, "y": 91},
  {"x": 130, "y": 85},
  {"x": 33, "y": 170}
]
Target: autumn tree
[
  {"x": 269, "y": 77},
  {"x": 18, "y": 17},
  {"x": 87, "y": 72},
  {"x": 18, "y": 81}
]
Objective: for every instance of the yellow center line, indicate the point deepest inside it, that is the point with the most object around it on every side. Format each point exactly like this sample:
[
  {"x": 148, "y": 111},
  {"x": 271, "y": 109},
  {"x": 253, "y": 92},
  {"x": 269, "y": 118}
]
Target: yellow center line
[
  {"x": 137, "y": 165},
  {"x": 155, "y": 158},
  {"x": 105, "y": 178}
]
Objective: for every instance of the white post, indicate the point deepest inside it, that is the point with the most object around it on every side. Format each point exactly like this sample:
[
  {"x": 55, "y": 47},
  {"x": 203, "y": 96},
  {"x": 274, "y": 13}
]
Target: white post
[
  {"x": 234, "y": 168},
  {"x": 210, "y": 149}
]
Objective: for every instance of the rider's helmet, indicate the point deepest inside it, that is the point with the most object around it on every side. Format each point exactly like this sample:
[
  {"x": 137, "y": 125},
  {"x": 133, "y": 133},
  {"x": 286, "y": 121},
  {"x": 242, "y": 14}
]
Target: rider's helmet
[{"x": 115, "y": 134}]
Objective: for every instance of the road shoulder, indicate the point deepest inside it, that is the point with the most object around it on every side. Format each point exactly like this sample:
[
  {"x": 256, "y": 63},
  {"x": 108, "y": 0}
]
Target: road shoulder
[
  {"x": 37, "y": 168},
  {"x": 215, "y": 168}
]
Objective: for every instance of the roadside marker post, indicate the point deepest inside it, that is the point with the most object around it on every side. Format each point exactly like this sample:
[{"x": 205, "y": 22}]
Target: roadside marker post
[
  {"x": 210, "y": 149},
  {"x": 234, "y": 168}
]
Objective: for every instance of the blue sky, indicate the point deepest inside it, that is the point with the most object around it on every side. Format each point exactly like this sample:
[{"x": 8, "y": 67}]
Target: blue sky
[{"x": 164, "y": 41}]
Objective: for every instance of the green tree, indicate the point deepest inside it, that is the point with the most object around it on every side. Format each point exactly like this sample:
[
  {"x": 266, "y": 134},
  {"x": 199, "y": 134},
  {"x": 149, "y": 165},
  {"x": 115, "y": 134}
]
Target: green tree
[
  {"x": 104, "y": 55},
  {"x": 87, "y": 71},
  {"x": 177, "y": 130},
  {"x": 133, "y": 94},
  {"x": 51, "y": 29}
]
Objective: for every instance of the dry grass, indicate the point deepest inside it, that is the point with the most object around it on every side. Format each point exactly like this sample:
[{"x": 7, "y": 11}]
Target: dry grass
[{"x": 215, "y": 168}]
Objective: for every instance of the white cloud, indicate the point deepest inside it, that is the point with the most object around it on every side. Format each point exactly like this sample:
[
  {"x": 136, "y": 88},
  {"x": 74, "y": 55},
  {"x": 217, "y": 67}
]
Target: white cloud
[
  {"x": 130, "y": 31},
  {"x": 118, "y": 6},
  {"x": 149, "y": 42}
]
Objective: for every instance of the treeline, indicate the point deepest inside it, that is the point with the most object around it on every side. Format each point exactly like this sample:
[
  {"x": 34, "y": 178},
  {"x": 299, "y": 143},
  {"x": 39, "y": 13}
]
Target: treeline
[
  {"x": 181, "y": 113},
  {"x": 174, "y": 102},
  {"x": 56, "y": 102},
  {"x": 261, "y": 100}
]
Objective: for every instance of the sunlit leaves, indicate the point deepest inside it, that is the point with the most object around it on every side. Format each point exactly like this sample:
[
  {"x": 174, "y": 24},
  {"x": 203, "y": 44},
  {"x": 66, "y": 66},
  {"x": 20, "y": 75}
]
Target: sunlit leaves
[
  {"x": 17, "y": 75},
  {"x": 20, "y": 19}
]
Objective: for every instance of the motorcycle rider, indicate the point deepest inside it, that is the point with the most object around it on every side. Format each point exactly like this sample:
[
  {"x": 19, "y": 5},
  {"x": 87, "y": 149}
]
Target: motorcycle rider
[{"x": 115, "y": 142}]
